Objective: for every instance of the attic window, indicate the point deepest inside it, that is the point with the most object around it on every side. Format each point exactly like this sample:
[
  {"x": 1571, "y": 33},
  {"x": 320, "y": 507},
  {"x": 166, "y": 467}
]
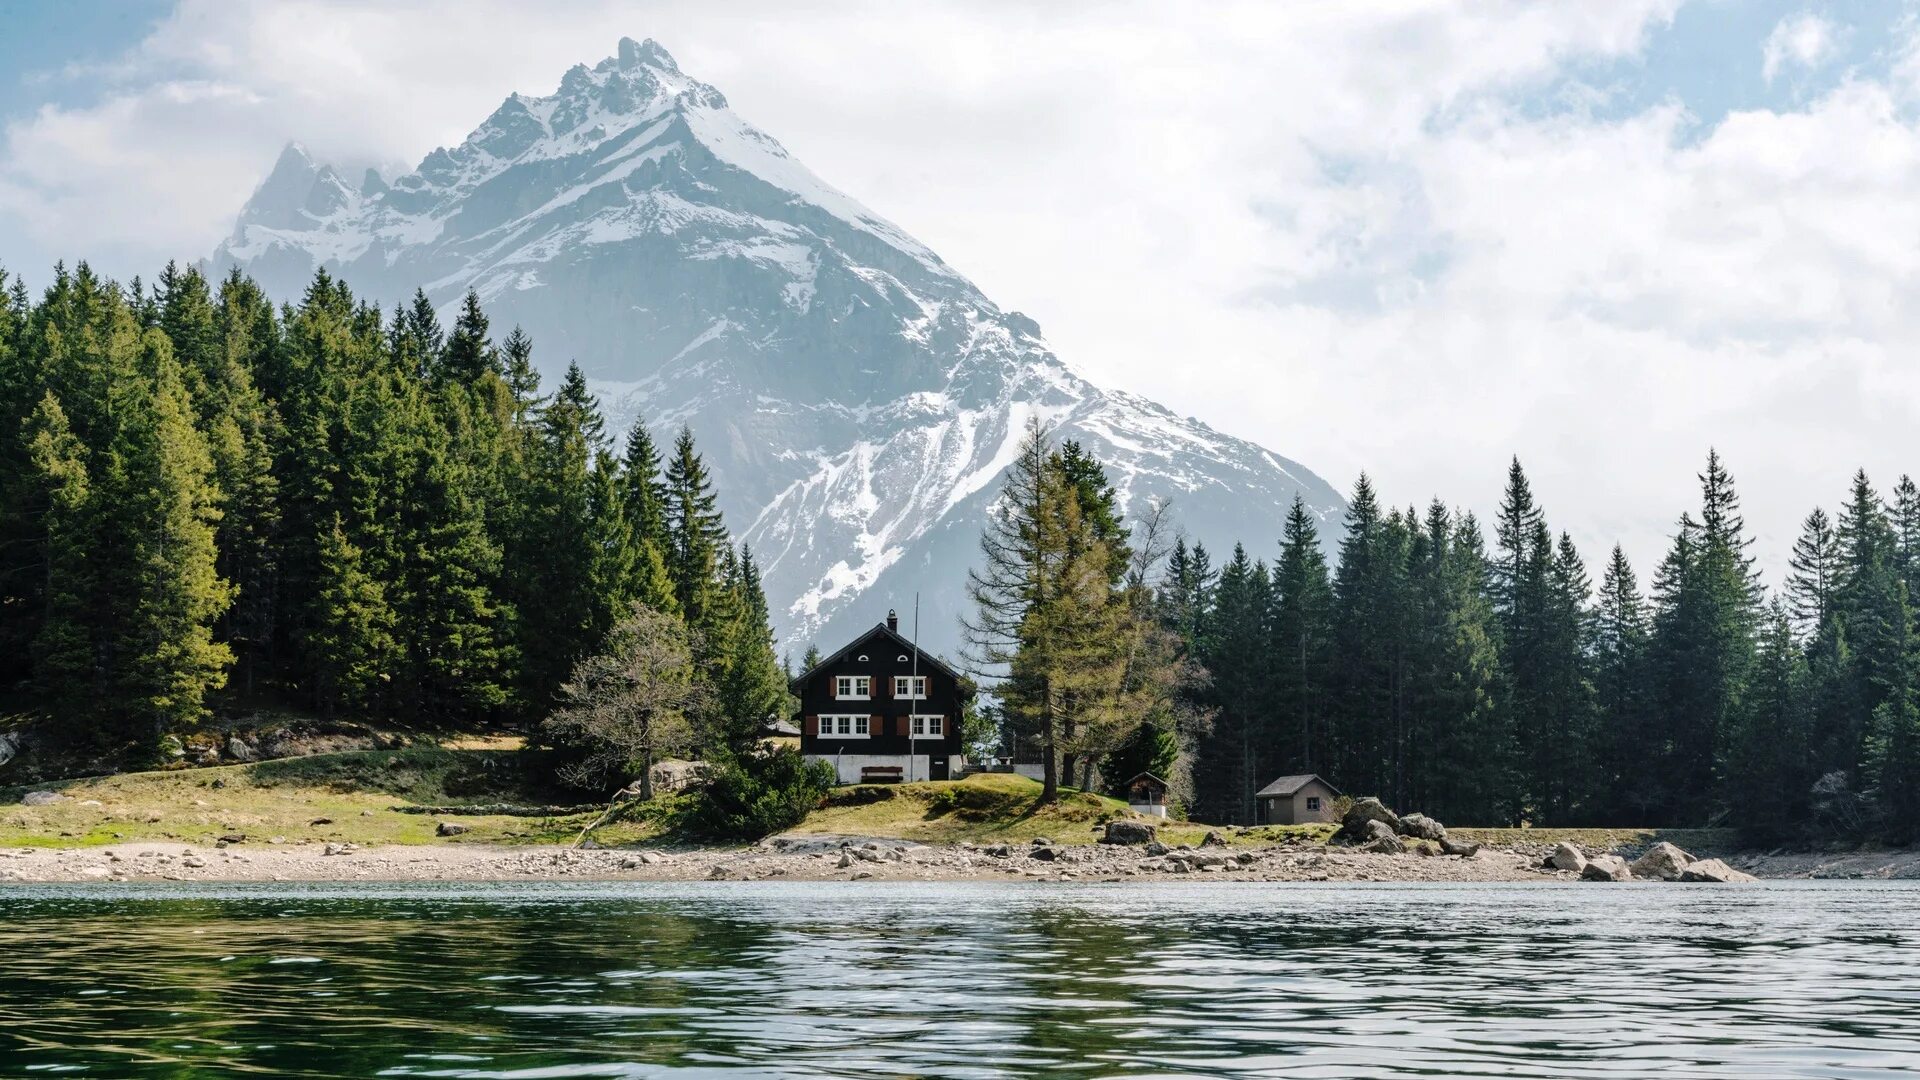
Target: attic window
[
  {"x": 862, "y": 658},
  {"x": 902, "y": 658}
]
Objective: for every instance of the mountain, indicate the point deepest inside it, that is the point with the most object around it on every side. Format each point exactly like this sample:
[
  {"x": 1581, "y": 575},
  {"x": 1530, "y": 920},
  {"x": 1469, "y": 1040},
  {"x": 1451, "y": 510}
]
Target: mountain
[{"x": 857, "y": 397}]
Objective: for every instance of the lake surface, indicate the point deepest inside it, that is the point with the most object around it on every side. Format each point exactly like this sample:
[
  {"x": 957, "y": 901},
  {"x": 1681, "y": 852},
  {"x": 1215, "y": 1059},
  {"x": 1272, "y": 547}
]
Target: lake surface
[{"x": 989, "y": 980}]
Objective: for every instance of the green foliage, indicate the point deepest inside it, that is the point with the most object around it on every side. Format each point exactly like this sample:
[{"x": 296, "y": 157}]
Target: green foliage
[{"x": 758, "y": 794}]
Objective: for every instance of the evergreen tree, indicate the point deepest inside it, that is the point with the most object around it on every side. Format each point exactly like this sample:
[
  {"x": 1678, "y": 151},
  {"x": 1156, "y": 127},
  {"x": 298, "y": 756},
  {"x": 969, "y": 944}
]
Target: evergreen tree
[
  {"x": 468, "y": 353},
  {"x": 1770, "y": 766},
  {"x": 696, "y": 540},
  {"x": 1301, "y": 623},
  {"x": 1813, "y": 573},
  {"x": 1621, "y": 632}
]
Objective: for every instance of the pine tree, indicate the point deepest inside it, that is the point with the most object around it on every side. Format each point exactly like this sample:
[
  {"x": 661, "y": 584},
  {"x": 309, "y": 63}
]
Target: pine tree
[
  {"x": 696, "y": 539},
  {"x": 644, "y": 499},
  {"x": 1301, "y": 623},
  {"x": 468, "y": 353},
  {"x": 1622, "y": 694},
  {"x": 1237, "y": 755},
  {"x": 1813, "y": 573},
  {"x": 354, "y": 651},
  {"x": 1770, "y": 764}
]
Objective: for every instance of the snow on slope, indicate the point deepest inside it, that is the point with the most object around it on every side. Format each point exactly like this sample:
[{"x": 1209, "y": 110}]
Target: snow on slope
[{"x": 857, "y": 398}]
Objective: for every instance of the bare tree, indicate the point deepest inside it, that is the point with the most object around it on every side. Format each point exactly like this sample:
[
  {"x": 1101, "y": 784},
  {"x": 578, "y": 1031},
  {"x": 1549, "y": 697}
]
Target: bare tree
[{"x": 634, "y": 703}]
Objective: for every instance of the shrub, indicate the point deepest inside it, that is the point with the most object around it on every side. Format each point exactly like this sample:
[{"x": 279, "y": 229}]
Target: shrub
[{"x": 761, "y": 793}]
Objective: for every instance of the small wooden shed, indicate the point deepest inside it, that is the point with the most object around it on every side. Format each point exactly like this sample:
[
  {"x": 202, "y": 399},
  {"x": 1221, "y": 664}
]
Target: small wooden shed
[
  {"x": 1147, "y": 794},
  {"x": 1295, "y": 800}
]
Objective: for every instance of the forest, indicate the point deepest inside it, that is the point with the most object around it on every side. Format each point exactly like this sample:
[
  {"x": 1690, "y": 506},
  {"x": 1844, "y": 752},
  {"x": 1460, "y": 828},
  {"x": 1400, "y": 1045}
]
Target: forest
[{"x": 207, "y": 499}]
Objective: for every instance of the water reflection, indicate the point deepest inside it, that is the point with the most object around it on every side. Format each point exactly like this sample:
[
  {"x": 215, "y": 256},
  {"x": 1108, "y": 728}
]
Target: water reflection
[{"x": 843, "y": 979}]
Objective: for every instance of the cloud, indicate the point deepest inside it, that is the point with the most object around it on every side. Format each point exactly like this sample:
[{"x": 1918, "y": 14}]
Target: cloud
[
  {"x": 1396, "y": 236},
  {"x": 1804, "y": 41}
]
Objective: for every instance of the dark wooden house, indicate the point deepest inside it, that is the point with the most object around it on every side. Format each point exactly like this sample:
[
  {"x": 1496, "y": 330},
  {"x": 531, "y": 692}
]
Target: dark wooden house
[{"x": 880, "y": 710}]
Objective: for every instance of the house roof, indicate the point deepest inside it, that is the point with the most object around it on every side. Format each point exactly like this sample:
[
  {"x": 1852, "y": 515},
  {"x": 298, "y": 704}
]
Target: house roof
[
  {"x": 1287, "y": 785},
  {"x": 851, "y": 646},
  {"x": 1146, "y": 776}
]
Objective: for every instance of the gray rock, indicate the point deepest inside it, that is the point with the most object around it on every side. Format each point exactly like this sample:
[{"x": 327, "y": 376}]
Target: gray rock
[
  {"x": 1213, "y": 839},
  {"x": 1156, "y": 848},
  {"x": 1606, "y": 868},
  {"x": 42, "y": 798},
  {"x": 1353, "y": 825},
  {"x": 652, "y": 858},
  {"x": 1714, "y": 871},
  {"x": 1045, "y": 854},
  {"x": 1041, "y": 841},
  {"x": 998, "y": 851},
  {"x": 240, "y": 749},
  {"x": 1422, "y": 827},
  {"x": 1662, "y": 862},
  {"x": 449, "y": 828},
  {"x": 1128, "y": 832},
  {"x": 846, "y": 860},
  {"x": 1567, "y": 857},
  {"x": 1466, "y": 849},
  {"x": 1381, "y": 839}
]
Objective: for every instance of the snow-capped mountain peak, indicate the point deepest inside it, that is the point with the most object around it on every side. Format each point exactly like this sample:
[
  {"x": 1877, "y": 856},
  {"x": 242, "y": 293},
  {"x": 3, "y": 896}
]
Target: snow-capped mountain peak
[{"x": 857, "y": 398}]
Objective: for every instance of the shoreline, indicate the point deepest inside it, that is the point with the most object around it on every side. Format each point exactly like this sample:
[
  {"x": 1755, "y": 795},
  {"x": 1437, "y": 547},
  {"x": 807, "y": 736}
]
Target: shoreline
[{"x": 838, "y": 858}]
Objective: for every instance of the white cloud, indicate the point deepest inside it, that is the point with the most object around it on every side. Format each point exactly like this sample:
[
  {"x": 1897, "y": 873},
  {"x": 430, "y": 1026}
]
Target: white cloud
[
  {"x": 1804, "y": 41},
  {"x": 1332, "y": 228}
]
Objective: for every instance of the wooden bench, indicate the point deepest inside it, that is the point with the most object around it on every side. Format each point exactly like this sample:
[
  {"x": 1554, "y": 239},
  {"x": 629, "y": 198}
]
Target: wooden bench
[{"x": 880, "y": 774}]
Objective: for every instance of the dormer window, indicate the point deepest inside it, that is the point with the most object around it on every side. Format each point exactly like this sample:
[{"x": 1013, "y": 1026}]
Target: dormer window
[
  {"x": 853, "y": 687},
  {"x": 910, "y": 687}
]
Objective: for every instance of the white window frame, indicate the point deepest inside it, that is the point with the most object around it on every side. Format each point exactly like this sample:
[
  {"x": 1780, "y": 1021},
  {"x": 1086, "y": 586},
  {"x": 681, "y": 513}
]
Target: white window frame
[
  {"x": 853, "y": 687},
  {"x": 899, "y": 687},
  {"x": 857, "y": 725},
  {"x": 928, "y": 726}
]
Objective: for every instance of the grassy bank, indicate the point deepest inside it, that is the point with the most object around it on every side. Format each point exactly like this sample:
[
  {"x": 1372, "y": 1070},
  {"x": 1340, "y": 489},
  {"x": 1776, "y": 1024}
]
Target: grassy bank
[
  {"x": 398, "y": 796},
  {"x": 358, "y": 797}
]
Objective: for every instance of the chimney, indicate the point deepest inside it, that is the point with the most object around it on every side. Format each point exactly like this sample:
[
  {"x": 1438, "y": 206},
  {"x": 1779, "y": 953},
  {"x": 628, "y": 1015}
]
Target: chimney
[{"x": 893, "y": 620}]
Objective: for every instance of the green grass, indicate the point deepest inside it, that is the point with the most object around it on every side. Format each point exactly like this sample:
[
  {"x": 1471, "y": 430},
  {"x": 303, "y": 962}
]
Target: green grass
[
  {"x": 342, "y": 797},
  {"x": 1693, "y": 841}
]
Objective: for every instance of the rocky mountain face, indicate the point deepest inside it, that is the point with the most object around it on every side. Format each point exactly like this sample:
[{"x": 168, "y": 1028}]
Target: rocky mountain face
[{"x": 857, "y": 398}]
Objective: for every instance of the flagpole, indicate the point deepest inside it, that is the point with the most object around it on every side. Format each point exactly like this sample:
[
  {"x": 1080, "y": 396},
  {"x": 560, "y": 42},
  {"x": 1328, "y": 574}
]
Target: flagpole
[{"x": 913, "y": 699}]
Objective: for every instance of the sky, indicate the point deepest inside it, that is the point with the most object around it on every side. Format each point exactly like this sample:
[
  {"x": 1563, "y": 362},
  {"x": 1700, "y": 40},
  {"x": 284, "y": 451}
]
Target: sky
[{"x": 1400, "y": 236}]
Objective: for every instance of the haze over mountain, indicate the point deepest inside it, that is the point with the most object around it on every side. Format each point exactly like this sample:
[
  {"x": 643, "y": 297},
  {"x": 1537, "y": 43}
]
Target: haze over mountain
[{"x": 857, "y": 398}]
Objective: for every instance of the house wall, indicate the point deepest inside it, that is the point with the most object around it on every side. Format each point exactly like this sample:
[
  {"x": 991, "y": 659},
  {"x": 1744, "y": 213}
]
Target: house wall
[
  {"x": 848, "y": 766},
  {"x": 887, "y": 655},
  {"x": 1293, "y": 810}
]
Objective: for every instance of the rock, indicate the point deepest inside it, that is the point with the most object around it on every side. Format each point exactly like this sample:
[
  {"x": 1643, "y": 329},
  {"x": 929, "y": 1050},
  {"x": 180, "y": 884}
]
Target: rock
[
  {"x": 1156, "y": 848},
  {"x": 240, "y": 749},
  {"x": 1662, "y": 861},
  {"x": 863, "y": 875},
  {"x": 1422, "y": 827},
  {"x": 320, "y": 821},
  {"x": 1424, "y": 847},
  {"x": 1380, "y": 838},
  {"x": 95, "y": 872},
  {"x": 1353, "y": 825},
  {"x": 1128, "y": 832},
  {"x": 1213, "y": 839},
  {"x": 448, "y": 828},
  {"x": 998, "y": 851},
  {"x": 846, "y": 860},
  {"x": 1606, "y": 868},
  {"x": 868, "y": 854},
  {"x": 1567, "y": 857},
  {"x": 1045, "y": 854},
  {"x": 652, "y": 858},
  {"x": 233, "y": 838},
  {"x": 719, "y": 873},
  {"x": 1714, "y": 871},
  {"x": 1041, "y": 841},
  {"x": 42, "y": 798},
  {"x": 1466, "y": 849},
  {"x": 193, "y": 861}
]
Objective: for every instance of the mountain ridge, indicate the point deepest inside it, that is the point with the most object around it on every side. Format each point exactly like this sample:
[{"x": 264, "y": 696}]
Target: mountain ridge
[{"x": 856, "y": 396}]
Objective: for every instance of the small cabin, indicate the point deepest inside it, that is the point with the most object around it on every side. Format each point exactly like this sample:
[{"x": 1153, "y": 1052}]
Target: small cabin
[
  {"x": 1147, "y": 795},
  {"x": 1295, "y": 800},
  {"x": 881, "y": 711}
]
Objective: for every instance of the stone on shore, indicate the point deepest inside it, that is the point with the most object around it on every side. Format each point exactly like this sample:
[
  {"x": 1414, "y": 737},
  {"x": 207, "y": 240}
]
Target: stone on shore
[
  {"x": 1714, "y": 871},
  {"x": 1567, "y": 857},
  {"x": 1606, "y": 868},
  {"x": 42, "y": 798},
  {"x": 1466, "y": 849},
  {"x": 448, "y": 828},
  {"x": 1128, "y": 832},
  {"x": 1662, "y": 861},
  {"x": 1353, "y": 825},
  {"x": 1381, "y": 839},
  {"x": 1213, "y": 839},
  {"x": 1422, "y": 827}
]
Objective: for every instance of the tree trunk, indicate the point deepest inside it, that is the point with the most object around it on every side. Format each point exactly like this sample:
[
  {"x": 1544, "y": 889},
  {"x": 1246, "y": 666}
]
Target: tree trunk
[{"x": 646, "y": 775}]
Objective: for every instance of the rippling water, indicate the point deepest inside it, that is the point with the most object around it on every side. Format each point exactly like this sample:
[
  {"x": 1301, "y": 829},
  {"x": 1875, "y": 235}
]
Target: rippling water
[{"x": 865, "y": 979}]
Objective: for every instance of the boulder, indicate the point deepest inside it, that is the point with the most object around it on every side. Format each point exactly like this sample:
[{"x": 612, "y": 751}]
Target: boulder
[
  {"x": 1567, "y": 857},
  {"x": 240, "y": 749},
  {"x": 42, "y": 798},
  {"x": 1045, "y": 854},
  {"x": 1466, "y": 849},
  {"x": 1353, "y": 825},
  {"x": 1381, "y": 839},
  {"x": 1213, "y": 839},
  {"x": 998, "y": 851},
  {"x": 10, "y": 742},
  {"x": 1156, "y": 848},
  {"x": 1128, "y": 832},
  {"x": 1606, "y": 868},
  {"x": 1041, "y": 841},
  {"x": 1422, "y": 827},
  {"x": 1424, "y": 847},
  {"x": 1715, "y": 871},
  {"x": 1662, "y": 861},
  {"x": 448, "y": 828}
]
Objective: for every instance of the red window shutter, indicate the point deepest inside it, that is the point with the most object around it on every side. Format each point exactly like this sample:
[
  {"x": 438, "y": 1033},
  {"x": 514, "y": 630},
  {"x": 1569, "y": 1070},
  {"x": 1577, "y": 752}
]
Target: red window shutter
[
  {"x": 812, "y": 726},
  {"x": 906, "y": 726}
]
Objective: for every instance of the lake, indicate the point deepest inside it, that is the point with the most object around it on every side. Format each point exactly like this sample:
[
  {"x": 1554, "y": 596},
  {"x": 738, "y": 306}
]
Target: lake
[{"x": 859, "y": 979}]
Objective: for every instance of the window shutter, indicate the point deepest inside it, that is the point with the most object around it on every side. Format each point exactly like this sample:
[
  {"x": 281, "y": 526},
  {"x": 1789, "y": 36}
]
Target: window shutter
[{"x": 812, "y": 725}]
